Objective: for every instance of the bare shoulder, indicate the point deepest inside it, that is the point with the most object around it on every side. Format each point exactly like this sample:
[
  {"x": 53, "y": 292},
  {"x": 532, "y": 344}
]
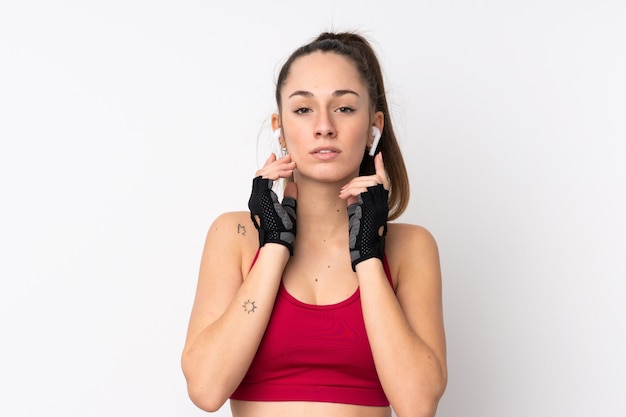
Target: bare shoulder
[
  {"x": 235, "y": 233},
  {"x": 405, "y": 239},
  {"x": 415, "y": 233},
  {"x": 412, "y": 251},
  {"x": 237, "y": 221}
]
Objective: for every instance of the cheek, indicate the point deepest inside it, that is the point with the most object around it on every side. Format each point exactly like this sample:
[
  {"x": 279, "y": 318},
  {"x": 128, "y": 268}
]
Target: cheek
[
  {"x": 295, "y": 139},
  {"x": 360, "y": 144},
  {"x": 358, "y": 158}
]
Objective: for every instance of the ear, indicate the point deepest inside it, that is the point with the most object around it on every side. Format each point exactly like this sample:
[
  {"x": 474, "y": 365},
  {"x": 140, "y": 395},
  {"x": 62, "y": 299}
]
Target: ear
[
  {"x": 377, "y": 121},
  {"x": 377, "y": 127},
  {"x": 276, "y": 133},
  {"x": 376, "y": 134},
  {"x": 275, "y": 121},
  {"x": 276, "y": 129}
]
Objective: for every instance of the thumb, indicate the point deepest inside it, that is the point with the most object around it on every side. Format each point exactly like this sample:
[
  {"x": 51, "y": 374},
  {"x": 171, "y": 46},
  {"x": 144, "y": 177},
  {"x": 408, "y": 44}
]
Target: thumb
[
  {"x": 270, "y": 159},
  {"x": 380, "y": 170},
  {"x": 291, "y": 190}
]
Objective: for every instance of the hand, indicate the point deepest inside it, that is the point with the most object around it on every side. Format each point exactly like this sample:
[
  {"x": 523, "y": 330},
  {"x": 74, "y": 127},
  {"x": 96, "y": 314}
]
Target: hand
[
  {"x": 275, "y": 222},
  {"x": 367, "y": 213}
]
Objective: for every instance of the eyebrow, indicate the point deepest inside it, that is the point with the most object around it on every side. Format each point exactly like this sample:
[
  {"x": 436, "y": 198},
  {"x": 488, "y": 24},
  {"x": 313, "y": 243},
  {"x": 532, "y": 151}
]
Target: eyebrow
[{"x": 337, "y": 93}]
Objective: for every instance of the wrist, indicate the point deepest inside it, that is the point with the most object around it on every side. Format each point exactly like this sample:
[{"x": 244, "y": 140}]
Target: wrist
[
  {"x": 369, "y": 266},
  {"x": 276, "y": 249},
  {"x": 374, "y": 250},
  {"x": 366, "y": 261},
  {"x": 284, "y": 239}
]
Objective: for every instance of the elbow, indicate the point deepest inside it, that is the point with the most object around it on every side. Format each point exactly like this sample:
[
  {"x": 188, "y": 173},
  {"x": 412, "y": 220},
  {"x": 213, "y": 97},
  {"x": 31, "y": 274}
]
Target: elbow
[
  {"x": 428, "y": 410},
  {"x": 206, "y": 398},
  {"x": 421, "y": 403},
  {"x": 430, "y": 403},
  {"x": 425, "y": 407},
  {"x": 203, "y": 391}
]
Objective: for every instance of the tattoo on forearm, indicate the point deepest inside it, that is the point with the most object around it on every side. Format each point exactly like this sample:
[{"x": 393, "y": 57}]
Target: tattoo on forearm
[
  {"x": 241, "y": 229},
  {"x": 249, "y": 306}
]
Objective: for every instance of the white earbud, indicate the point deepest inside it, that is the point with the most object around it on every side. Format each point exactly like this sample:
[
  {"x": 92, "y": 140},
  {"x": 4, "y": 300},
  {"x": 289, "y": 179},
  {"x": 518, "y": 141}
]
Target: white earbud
[
  {"x": 376, "y": 133},
  {"x": 276, "y": 134}
]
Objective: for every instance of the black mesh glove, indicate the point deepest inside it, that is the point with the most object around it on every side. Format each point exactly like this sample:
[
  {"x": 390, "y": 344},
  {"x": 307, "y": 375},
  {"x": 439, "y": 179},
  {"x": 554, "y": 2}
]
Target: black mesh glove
[
  {"x": 275, "y": 222},
  {"x": 366, "y": 219}
]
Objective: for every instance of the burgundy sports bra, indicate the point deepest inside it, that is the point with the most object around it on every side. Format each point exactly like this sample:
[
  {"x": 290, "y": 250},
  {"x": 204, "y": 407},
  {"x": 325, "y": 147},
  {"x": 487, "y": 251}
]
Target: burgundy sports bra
[{"x": 314, "y": 353}]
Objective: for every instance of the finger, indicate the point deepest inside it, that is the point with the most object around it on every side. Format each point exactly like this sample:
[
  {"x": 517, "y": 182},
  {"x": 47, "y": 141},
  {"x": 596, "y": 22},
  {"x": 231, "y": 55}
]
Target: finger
[
  {"x": 269, "y": 160},
  {"x": 352, "y": 200},
  {"x": 277, "y": 168},
  {"x": 274, "y": 174},
  {"x": 380, "y": 170},
  {"x": 273, "y": 158},
  {"x": 352, "y": 191},
  {"x": 358, "y": 185},
  {"x": 291, "y": 190}
]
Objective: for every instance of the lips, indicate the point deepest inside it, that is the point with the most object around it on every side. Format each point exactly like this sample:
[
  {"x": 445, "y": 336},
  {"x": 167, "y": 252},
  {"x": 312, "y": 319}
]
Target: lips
[
  {"x": 325, "y": 153},
  {"x": 325, "y": 150}
]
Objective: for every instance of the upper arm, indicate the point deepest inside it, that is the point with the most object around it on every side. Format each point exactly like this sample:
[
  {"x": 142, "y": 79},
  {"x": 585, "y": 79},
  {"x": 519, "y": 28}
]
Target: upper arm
[
  {"x": 419, "y": 288},
  {"x": 221, "y": 273}
]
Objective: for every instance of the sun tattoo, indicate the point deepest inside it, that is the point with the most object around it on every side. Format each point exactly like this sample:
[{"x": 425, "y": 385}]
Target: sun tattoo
[{"x": 249, "y": 306}]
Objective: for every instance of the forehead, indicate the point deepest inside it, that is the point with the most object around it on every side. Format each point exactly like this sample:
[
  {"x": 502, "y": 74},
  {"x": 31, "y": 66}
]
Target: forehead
[{"x": 324, "y": 71}]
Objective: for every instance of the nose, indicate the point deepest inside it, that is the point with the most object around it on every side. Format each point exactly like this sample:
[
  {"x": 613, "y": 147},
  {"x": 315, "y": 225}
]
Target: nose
[{"x": 324, "y": 127}]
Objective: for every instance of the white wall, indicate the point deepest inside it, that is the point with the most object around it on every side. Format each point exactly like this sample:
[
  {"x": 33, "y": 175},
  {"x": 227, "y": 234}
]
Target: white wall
[{"x": 127, "y": 126}]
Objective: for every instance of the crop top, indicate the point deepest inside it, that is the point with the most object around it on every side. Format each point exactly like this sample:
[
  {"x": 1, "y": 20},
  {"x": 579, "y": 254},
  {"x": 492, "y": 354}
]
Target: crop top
[{"x": 315, "y": 353}]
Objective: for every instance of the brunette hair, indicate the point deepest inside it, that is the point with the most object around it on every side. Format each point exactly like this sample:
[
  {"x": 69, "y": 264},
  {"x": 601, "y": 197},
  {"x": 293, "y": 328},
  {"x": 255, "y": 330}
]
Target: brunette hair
[{"x": 358, "y": 50}]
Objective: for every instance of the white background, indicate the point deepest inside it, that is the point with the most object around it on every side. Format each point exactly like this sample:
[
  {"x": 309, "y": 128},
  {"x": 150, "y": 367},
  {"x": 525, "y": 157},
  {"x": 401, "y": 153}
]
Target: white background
[{"x": 127, "y": 126}]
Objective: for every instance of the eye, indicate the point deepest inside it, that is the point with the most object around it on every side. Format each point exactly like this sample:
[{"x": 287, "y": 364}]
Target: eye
[
  {"x": 302, "y": 110},
  {"x": 345, "y": 109}
]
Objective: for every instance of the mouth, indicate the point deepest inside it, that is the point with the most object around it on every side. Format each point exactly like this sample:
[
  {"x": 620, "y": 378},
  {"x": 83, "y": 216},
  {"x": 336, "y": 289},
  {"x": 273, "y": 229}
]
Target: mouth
[{"x": 324, "y": 151}]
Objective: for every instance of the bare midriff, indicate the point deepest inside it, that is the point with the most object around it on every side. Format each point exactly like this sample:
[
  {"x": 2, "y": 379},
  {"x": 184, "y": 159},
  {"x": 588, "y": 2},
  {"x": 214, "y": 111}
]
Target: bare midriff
[{"x": 304, "y": 409}]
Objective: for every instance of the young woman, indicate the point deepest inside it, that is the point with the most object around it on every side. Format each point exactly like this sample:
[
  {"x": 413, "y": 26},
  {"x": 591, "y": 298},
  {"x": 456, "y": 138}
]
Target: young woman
[{"x": 328, "y": 310}]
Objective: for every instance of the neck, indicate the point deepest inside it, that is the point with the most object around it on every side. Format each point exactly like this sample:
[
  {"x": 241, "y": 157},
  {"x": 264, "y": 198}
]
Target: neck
[{"x": 321, "y": 213}]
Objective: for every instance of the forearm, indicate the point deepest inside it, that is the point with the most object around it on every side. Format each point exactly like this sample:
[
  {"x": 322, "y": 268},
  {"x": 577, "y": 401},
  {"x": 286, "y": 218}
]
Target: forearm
[
  {"x": 409, "y": 370},
  {"x": 217, "y": 359}
]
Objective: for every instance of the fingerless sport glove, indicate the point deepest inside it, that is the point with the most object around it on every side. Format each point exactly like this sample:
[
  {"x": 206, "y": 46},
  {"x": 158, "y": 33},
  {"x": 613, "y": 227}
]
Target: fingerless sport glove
[
  {"x": 275, "y": 222},
  {"x": 368, "y": 225}
]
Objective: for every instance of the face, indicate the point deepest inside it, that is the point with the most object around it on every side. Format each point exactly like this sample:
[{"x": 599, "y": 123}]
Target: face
[{"x": 326, "y": 117}]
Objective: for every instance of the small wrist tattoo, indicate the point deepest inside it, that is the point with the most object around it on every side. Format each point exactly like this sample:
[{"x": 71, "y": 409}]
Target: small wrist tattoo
[{"x": 249, "y": 306}]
